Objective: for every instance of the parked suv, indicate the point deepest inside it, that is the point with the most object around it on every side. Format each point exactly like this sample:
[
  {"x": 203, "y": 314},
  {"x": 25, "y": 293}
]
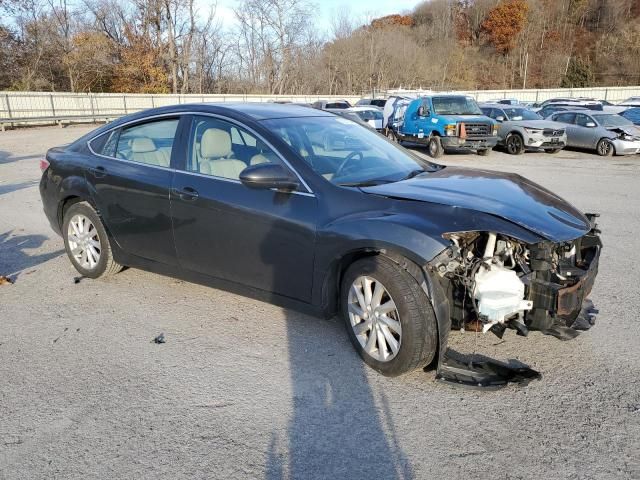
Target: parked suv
[
  {"x": 447, "y": 121},
  {"x": 521, "y": 129}
]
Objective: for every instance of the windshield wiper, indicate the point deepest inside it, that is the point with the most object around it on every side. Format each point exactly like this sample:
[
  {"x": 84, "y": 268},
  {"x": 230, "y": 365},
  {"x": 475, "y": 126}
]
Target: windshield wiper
[
  {"x": 364, "y": 183},
  {"x": 413, "y": 173}
]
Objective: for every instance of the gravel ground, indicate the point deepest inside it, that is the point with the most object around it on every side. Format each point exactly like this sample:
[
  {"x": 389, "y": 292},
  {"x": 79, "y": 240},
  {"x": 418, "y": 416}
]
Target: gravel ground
[{"x": 244, "y": 389}]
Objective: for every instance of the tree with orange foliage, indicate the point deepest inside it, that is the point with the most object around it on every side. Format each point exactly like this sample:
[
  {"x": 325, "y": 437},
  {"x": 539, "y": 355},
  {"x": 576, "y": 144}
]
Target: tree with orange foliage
[
  {"x": 393, "y": 21},
  {"x": 504, "y": 23}
]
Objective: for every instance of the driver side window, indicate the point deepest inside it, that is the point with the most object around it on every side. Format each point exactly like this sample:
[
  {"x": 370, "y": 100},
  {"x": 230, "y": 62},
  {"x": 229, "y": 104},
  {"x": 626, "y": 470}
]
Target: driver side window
[
  {"x": 582, "y": 120},
  {"x": 223, "y": 149}
]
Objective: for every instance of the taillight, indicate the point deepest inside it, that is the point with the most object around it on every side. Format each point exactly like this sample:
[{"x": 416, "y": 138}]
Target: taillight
[{"x": 44, "y": 164}]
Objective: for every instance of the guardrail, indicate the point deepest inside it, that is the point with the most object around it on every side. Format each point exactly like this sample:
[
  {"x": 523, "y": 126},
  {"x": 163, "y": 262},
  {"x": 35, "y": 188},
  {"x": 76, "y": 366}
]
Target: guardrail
[{"x": 58, "y": 107}]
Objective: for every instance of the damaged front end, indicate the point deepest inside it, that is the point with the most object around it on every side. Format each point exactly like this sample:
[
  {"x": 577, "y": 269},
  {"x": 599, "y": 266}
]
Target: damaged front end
[
  {"x": 627, "y": 141},
  {"x": 495, "y": 282}
]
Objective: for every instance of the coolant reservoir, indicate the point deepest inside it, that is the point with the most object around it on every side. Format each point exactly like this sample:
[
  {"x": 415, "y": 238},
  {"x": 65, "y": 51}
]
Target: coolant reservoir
[{"x": 499, "y": 293}]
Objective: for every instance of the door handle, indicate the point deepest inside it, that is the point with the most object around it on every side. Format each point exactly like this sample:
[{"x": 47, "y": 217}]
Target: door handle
[
  {"x": 187, "y": 193},
  {"x": 99, "y": 172}
]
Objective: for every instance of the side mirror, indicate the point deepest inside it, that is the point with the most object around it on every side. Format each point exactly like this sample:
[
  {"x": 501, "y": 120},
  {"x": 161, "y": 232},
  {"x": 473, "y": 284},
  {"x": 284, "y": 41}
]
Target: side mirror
[
  {"x": 499, "y": 118},
  {"x": 590, "y": 124},
  {"x": 268, "y": 175}
]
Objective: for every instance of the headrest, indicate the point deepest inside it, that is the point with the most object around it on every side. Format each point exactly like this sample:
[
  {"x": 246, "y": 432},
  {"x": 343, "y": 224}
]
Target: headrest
[
  {"x": 142, "y": 145},
  {"x": 215, "y": 143}
]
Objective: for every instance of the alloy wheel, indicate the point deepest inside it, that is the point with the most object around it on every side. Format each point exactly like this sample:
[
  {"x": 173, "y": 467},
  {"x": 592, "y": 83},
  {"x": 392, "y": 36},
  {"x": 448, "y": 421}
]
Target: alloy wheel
[
  {"x": 374, "y": 318},
  {"x": 514, "y": 144},
  {"x": 84, "y": 241},
  {"x": 604, "y": 148}
]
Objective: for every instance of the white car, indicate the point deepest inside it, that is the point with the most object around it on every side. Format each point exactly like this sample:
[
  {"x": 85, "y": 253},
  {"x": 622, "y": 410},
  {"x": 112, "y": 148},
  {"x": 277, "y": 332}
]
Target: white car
[{"x": 372, "y": 115}]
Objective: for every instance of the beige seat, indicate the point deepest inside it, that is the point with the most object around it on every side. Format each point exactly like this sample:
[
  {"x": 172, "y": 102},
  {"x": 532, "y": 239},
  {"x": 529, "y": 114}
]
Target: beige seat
[
  {"x": 217, "y": 156},
  {"x": 144, "y": 150},
  {"x": 258, "y": 159}
]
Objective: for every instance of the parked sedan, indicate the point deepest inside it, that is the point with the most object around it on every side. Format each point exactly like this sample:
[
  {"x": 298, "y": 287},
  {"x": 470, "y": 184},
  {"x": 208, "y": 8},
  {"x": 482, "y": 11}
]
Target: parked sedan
[
  {"x": 304, "y": 208},
  {"x": 371, "y": 115},
  {"x": 330, "y": 104},
  {"x": 520, "y": 129},
  {"x": 632, "y": 114},
  {"x": 607, "y": 133},
  {"x": 548, "y": 110},
  {"x": 372, "y": 102}
]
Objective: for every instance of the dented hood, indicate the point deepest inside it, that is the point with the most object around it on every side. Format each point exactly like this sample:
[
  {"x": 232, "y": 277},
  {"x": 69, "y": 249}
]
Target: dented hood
[{"x": 505, "y": 195}]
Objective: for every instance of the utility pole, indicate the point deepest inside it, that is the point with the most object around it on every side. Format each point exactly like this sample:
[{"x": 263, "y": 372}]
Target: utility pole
[{"x": 526, "y": 64}]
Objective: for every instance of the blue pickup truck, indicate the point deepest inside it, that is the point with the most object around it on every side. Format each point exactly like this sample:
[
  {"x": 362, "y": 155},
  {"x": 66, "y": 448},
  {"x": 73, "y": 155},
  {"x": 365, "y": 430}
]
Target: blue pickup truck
[{"x": 444, "y": 121}]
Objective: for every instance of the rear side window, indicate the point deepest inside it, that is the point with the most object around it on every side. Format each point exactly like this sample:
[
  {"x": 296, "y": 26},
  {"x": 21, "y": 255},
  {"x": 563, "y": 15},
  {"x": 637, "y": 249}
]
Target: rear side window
[
  {"x": 149, "y": 143},
  {"x": 105, "y": 144}
]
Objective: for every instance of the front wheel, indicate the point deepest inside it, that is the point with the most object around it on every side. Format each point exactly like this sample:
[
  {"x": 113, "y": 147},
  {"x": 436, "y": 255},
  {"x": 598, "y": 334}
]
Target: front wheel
[
  {"x": 434, "y": 147},
  {"x": 605, "y": 148},
  {"x": 515, "y": 144},
  {"x": 388, "y": 317},
  {"x": 87, "y": 243}
]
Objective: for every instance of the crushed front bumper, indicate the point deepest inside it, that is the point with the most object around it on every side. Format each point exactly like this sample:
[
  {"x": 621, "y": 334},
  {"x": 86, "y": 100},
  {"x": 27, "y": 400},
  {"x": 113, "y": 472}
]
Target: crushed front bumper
[{"x": 626, "y": 147}]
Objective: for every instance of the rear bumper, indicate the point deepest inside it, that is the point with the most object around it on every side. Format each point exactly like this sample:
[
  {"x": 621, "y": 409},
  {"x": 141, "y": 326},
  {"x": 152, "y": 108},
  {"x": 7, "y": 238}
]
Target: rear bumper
[{"x": 475, "y": 143}]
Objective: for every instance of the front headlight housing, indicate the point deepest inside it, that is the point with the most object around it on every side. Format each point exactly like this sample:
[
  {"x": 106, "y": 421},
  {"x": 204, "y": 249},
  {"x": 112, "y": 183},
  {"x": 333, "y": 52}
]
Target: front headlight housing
[
  {"x": 533, "y": 130},
  {"x": 495, "y": 129},
  {"x": 450, "y": 130}
]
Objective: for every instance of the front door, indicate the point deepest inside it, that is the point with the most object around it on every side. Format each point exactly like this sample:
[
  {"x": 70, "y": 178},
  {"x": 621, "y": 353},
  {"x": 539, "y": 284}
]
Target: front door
[
  {"x": 130, "y": 179},
  {"x": 260, "y": 238},
  {"x": 585, "y": 134}
]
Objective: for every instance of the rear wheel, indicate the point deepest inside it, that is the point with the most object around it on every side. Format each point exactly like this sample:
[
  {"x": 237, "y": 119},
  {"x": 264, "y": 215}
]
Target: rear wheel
[
  {"x": 515, "y": 144},
  {"x": 605, "y": 148},
  {"x": 434, "y": 147},
  {"x": 388, "y": 317},
  {"x": 87, "y": 243}
]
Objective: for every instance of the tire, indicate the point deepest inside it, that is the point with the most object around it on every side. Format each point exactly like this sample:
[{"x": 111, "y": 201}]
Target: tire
[
  {"x": 434, "y": 147},
  {"x": 484, "y": 152},
  {"x": 553, "y": 150},
  {"x": 514, "y": 144},
  {"x": 417, "y": 339},
  {"x": 605, "y": 148},
  {"x": 87, "y": 243}
]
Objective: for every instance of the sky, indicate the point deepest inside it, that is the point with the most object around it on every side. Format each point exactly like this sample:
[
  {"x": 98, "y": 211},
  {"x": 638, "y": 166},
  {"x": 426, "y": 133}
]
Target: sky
[{"x": 358, "y": 9}]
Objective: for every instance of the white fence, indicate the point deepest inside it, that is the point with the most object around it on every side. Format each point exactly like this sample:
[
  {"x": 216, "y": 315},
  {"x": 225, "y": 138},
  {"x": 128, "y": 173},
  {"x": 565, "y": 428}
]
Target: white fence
[{"x": 34, "y": 105}]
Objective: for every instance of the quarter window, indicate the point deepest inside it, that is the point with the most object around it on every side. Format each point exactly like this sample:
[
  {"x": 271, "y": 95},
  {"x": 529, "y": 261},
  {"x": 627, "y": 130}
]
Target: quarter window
[
  {"x": 149, "y": 143},
  {"x": 222, "y": 149}
]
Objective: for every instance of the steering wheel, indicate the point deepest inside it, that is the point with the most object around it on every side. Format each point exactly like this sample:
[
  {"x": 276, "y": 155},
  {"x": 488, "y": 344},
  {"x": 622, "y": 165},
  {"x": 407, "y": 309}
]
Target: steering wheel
[{"x": 350, "y": 157}]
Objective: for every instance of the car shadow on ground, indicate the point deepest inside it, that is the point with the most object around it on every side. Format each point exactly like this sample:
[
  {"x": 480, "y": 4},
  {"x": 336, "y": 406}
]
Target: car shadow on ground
[
  {"x": 6, "y": 157},
  {"x": 13, "y": 187},
  {"x": 15, "y": 257},
  {"x": 340, "y": 427}
]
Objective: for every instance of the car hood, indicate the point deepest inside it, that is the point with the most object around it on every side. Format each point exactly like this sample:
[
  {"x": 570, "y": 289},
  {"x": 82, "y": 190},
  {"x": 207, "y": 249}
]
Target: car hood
[
  {"x": 505, "y": 195},
  {"x": 465, "y": 118},
  {"x": 537, "y": 124},
  {"x": 628, "y": 129}
]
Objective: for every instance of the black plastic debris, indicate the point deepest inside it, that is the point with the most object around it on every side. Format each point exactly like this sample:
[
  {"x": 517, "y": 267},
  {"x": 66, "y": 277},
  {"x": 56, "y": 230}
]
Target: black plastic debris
[
  {"x": 159, "y": 339},
  {"x": 77, "y": 279},
  {"x": 479, "y": 372}
]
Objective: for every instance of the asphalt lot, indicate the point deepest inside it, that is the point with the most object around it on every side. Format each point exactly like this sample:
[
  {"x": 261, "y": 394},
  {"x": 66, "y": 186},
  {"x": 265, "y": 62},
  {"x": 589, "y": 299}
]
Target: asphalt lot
[{"x": 244, "y": 389}]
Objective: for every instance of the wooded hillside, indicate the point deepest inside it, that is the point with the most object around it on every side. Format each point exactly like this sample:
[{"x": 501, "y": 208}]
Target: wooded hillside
[{"x": 163, "y": 46}]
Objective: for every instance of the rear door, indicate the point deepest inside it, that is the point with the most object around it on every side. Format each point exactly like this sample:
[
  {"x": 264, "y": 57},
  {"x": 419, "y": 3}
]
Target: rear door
[
  {"x": 568, "y": 118},
  {"x": 130, "y": 181}
]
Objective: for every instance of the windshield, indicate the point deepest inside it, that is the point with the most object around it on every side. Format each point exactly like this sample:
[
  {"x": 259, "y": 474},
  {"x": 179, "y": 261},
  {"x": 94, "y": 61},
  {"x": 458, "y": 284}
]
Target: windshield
[
  {"x": 369, "y": 114},
  {"x": 346, "y": 153},
  {"x": 455, "y": 106},
  {"x": 521, "y": 114},
  {"x": 612, "y": 120}
]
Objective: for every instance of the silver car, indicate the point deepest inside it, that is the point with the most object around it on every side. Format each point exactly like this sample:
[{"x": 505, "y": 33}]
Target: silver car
[
  {"x": 521, "y": 129},
  {"x": 606, "y": 133}
]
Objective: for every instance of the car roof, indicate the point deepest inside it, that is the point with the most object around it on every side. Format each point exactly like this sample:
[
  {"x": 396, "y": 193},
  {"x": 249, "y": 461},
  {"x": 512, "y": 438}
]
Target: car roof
[
  {"x": 363, "y": 108},
  {"x": 581, "y": 110},
  {"x": 501, "y": 105}
]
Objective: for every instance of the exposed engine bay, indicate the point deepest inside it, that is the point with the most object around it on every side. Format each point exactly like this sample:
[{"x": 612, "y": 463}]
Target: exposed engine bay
[{"x": 495, "y": 282}]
